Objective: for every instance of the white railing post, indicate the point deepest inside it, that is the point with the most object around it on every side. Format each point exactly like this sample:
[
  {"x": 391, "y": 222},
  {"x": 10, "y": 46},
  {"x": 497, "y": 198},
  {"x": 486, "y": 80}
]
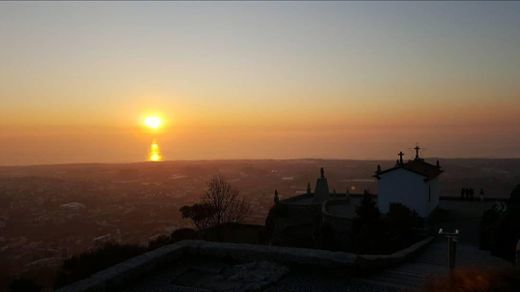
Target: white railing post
[{"x": 452, "y": 246}]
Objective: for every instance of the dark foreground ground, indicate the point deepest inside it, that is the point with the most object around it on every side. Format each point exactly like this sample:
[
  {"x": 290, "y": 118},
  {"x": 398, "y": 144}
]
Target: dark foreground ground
[
  {"x": 428, "y": 269},
  {"x": 209, "y": 274}
]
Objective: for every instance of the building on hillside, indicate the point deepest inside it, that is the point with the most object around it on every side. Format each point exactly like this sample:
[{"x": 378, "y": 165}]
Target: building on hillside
[
  {"x": 321, "y": 191},
  {"x": 296, "y": 220},
  {"x": 414, "y": 184}
]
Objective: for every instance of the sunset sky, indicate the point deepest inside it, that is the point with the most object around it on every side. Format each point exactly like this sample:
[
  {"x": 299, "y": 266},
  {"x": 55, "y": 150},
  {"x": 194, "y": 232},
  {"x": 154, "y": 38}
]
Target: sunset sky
[{"x": 258, "y": 80}]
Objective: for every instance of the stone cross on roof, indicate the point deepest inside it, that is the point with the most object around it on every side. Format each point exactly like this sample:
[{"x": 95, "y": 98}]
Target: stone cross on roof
[
  {"x": 401, "y": 154},
  {"x": 417, "y": 148}
]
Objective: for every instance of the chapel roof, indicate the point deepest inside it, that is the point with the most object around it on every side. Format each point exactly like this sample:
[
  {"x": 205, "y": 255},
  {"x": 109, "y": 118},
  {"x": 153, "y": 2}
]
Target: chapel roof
[{"x": 417, "y": 165}]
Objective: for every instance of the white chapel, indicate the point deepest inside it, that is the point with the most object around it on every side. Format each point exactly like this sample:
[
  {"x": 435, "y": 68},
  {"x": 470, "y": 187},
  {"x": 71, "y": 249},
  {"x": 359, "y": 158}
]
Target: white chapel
[{"x": 414, "y": 183}]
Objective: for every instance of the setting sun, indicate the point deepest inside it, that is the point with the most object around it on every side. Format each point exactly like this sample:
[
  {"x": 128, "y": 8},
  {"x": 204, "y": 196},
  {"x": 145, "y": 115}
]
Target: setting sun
[{"x": 153, "y": 122}]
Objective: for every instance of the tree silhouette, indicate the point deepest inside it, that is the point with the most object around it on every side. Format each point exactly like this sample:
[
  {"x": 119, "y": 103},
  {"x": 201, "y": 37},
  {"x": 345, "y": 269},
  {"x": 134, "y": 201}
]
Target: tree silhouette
[
  {"x": 367, "y": 227},
  {"x": 201, "y": 214},
  {"x": 220, "y": 204}
]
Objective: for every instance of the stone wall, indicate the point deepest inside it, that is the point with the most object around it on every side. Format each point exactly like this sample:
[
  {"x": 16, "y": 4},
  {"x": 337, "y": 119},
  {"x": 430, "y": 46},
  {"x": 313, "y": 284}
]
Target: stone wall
[
  {"x": 114, "y": 277},
  {"x": 338, "y": 222}
]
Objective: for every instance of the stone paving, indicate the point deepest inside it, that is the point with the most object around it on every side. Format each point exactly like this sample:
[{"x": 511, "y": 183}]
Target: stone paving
[
  {"x": 433, "y": 263},
  {"x": 207, "y": 266},
  {"x": 203, "y": 274},
  {"x": 210, "y": 275},
  {"x": 207, "y": 274}
]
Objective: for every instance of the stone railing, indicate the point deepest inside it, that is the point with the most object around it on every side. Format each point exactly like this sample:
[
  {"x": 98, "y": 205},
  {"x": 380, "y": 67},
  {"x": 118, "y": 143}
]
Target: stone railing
[
  {"x": 116, "y": 276},
  {"x": 335, "y": 202},
  {"x": 342, "y": 223},
  {"x": 374, "y": 262},
  {"x": 296, "y": 198}
]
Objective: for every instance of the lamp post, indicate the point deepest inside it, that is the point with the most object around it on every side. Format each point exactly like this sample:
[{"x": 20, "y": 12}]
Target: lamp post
[{"x": 452, "y": 245}]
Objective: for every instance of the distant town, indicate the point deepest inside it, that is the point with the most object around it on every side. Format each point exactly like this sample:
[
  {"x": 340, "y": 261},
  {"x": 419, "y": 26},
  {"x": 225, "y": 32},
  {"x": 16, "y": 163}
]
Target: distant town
[{"x": 87, "y": 205}]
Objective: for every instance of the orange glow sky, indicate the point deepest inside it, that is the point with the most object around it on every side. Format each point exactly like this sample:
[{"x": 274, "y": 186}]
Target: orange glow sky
[{"x": 258, "y": 80}]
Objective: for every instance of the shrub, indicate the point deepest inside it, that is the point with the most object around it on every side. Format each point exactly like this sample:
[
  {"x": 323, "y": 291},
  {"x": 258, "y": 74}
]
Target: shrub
[
  {"x": 401, "y": 224},
  {"x": 367, "y": 227},
  {"x": 507, "y": 234},
  {"x": 83, "y": 265},
  {"x": 488, "y": 226},
  {"x": 177, "y": 235},
  {"x": 24, "y": 285}
]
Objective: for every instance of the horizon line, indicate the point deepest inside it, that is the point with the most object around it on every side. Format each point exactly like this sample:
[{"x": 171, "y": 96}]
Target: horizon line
[{"x": 243, "y": 159}]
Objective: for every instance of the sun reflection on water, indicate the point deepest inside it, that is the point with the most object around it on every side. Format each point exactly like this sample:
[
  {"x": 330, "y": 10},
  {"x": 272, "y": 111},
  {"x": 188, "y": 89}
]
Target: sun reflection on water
[{"x": 155, "y": 152}]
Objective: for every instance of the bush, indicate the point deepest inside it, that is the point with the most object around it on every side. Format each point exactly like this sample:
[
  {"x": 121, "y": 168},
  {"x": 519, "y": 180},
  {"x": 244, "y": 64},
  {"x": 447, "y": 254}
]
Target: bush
[
  {"x": 235, "y": 232},
  {"x": 326, "y": 236},
  {"x": 401, "y": 225},
  {"x": 184, "y": 234},
  {"x": 488, "y": 226},
  {"x": 499, "y": 229},
  {"x": 374, "y": 234},
  {"x": 201, "y": 214},
  {"x": 177, "y": 235},
  {"x": 367, "y": 227},
  {"x": 507, "y": 234},
  {"x": 85, "y": 264},
  {"x": 24, "y": 285}
]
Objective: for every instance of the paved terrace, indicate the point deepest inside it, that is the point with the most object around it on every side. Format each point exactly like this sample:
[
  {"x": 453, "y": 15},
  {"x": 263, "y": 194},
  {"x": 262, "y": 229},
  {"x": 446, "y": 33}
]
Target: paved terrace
[
  {"x": 209, "y": 266},
  {"x": 432, "y": 263}
]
